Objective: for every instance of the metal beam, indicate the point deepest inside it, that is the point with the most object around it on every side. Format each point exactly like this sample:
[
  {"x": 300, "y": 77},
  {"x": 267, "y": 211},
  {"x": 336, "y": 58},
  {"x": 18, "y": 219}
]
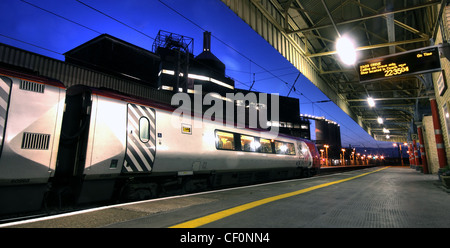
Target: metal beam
[
  {"x": 366, "y": 17},
  {"x": 331, "y": 18},
  {"x": 398, "y": 23},
  {"x": 385, "y": 119},
  {"x": 390, "y": 28},
  {"x": 371, "y": 47},
  {"x": 390, "y": 99},
  {"x": 337, "y": 71}
]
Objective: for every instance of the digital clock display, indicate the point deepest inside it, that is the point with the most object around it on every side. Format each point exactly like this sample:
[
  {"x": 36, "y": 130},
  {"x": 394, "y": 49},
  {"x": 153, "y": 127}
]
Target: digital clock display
[{"x": 402, "y": 64}]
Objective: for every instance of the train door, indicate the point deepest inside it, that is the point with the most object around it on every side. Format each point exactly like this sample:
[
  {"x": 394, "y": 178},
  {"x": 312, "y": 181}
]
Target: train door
[{"x": 141, "y": 140}]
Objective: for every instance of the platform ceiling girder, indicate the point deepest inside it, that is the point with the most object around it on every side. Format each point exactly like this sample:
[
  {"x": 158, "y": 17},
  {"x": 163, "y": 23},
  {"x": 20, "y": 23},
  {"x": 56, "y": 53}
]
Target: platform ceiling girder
[
  {"x": 304, "y": 32},
  {"x": 267, "y": 20}
]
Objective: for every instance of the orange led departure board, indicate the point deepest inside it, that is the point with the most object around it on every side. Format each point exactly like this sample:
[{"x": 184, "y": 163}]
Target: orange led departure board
[{"x": 408, "y": 63}]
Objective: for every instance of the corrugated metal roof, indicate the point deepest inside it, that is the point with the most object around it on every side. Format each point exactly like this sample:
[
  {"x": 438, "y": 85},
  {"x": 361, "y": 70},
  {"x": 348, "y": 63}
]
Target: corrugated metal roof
[{"x": 305, "y": 32}]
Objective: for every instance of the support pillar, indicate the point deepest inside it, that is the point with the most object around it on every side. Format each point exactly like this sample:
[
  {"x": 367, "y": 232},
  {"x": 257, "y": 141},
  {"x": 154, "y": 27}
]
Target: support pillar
[
  {"x": 416, "y": 153},
  {"x": 422, "y": 150},
  {"x": 412, "y": 164},
  {"x": 409, "y": 155},
  {"x": 442, "y": 158}
]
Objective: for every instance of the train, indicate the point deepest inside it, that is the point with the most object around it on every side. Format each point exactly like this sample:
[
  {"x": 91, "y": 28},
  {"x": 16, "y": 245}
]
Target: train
[{"x": 78, "y": 145}]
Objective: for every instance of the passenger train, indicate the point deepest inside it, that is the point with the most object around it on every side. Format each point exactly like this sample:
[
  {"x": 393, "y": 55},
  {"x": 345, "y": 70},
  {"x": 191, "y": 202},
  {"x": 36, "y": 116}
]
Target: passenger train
[{"x": 69, "y": 146}]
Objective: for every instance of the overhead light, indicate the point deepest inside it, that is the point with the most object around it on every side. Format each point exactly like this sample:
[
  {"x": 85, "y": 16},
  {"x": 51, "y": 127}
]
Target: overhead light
[
  {"x": 346, "y": 50},
  {"x": 380, "y": 120},
  {"x": 385, "y": 130},
  {"x": 370, "y": 101},
  {"x": 388, "y": 137}
]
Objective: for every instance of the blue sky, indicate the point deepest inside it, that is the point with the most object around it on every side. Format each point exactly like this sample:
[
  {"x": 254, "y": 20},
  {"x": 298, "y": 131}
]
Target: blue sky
[{"x": 22, "y": 23}]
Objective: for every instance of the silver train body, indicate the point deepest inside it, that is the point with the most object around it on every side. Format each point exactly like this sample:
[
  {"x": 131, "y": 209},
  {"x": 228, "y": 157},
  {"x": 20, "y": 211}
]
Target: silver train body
[
  {"x": 80, "y": 145},
  {"x": 31, "y": 111}
]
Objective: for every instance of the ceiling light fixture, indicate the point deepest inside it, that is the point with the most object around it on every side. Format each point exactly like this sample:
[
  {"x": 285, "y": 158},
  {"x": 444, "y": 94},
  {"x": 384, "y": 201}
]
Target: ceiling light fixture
[
  {"x": 380, "y": 120},
  {"x": 346, "y": 50},
  {"x": 370, "y": 101}
]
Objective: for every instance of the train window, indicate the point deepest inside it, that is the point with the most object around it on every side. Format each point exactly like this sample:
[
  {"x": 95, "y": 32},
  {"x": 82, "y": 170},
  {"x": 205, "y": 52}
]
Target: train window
[
  {"x": 266, "y": 145},
  {"x": 144, "y": 129},
  {"x": 280, "y": 147},
  {"x": 224, "y": 140},
  {"x": 284, "y": 148},
  {"x": 249, "y": 144},
  {"x": 290, "y": 149}
]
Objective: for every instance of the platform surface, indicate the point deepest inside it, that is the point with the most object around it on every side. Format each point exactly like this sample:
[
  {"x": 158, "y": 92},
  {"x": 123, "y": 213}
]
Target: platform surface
[{"x": 388, "y": 197}]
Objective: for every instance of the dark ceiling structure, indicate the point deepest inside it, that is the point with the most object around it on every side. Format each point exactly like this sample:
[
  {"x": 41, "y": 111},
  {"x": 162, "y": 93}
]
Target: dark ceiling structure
[{"x": 305, "y": 32}]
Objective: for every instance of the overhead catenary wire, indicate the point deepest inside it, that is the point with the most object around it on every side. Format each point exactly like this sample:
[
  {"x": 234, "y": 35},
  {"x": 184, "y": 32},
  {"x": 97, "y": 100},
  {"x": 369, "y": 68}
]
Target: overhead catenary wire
[
  {"x": 248, "y": 72},
  {"x": 28, "y": 43},
  {"x": 60, "y": 16},
  {"x": 115, "y": 19}
]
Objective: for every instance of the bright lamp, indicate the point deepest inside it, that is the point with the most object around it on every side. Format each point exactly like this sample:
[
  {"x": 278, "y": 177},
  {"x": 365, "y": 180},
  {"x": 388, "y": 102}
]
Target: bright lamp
[{"x": 346, "y": 50}]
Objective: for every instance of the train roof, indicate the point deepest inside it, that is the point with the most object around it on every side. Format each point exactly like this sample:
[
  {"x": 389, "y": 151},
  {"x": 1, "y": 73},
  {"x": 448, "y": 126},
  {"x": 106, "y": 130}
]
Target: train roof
[{"x": 28, "y": 76}]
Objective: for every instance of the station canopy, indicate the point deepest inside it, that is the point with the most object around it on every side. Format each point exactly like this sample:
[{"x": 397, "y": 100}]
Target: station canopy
[{"x": 385, "y": 33}]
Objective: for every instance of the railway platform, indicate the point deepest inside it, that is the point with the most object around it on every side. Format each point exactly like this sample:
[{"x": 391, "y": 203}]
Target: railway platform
[{"x": 376, "y": 197}]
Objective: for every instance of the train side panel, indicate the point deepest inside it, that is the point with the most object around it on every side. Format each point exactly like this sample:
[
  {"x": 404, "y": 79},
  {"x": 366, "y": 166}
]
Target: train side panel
[
  {"x": 179, "y": 147},
  {"x": 107, "y": 138},
  {"x": 105, "y": 150},
  {"x": 190, "y": 146},
  {"x": 31, "y": 131}
]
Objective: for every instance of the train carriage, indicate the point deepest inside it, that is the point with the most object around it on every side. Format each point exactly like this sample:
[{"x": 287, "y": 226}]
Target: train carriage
[
  {"x": 31, "y": 109},
  {"x": 138, "y": 148}
]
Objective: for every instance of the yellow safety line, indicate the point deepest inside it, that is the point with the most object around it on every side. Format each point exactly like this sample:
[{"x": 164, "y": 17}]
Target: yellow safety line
[{"x": 228, "y": 212}]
